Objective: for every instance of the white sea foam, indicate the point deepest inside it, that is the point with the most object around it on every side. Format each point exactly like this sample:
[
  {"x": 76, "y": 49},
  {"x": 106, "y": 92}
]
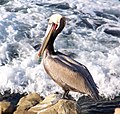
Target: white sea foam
[{"x": 23, "y": 25}]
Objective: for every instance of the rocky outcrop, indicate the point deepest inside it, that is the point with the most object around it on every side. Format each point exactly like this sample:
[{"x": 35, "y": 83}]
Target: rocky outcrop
[
  {"x": 117, "y": 111},
  {"x": 6, "y": 107},
  {"x": 54, "y": 105},
  {"x": 27, "y": 102},
  {"x": 33, "y": 103}
]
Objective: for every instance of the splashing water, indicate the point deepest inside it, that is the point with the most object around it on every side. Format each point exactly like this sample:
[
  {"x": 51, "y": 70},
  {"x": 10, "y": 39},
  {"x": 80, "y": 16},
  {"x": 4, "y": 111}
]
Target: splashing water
[{"x": 91, "y": 36}]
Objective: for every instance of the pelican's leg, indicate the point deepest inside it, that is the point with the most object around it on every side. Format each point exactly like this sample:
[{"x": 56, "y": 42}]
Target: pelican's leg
[{"x": 65, "y": 95}]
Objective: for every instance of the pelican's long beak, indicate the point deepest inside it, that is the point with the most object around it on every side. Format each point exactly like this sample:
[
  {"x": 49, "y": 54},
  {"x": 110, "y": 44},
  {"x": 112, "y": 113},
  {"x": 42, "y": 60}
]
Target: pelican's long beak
[{"x": 51, "y": 28}]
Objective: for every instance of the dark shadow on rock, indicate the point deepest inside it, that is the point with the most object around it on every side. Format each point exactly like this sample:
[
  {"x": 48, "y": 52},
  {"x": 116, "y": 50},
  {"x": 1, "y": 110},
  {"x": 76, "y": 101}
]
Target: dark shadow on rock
[
  {"x": 11, "y": 97},
  {"x": 86, "y": 105}
]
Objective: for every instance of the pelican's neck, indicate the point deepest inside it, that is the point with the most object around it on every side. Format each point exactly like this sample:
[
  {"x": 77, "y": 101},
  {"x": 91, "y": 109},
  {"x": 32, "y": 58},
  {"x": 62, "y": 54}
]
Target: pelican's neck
[
  {"x": 50, "y": 46},
  {"x": 50, "y": 49}
]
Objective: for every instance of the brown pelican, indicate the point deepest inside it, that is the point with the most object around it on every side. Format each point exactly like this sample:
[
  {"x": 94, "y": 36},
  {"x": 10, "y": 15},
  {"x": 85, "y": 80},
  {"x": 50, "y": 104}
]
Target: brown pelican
[{"x": 66, "y": 72}]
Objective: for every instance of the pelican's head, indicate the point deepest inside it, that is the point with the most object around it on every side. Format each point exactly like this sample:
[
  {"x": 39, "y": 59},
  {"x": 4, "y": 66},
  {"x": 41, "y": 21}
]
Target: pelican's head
[
  {"x": 57, "y": 21},
  {"x": 55, "y": 25}
]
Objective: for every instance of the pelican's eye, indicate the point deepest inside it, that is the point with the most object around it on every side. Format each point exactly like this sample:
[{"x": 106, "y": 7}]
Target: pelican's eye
[{"x": 50, "y": 24}]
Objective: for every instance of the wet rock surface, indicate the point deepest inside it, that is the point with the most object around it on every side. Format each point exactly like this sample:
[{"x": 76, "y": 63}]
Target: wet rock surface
[
  {"x": 117, "y": 111},
  {"x": 33, "y": 103},
  {"x": 86, "y": 105}
]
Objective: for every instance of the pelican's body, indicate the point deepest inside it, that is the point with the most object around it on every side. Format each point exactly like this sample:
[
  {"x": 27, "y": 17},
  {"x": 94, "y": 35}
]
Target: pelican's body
[{"x": 66, "y": 72}]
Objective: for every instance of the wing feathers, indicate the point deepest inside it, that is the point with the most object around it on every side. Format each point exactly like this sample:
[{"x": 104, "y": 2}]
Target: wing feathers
[{"x": 66, "y": 71}]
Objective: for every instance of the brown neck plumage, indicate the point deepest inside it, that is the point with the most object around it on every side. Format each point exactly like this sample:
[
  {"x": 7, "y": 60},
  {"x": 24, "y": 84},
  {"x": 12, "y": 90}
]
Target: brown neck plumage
[{"x": 50, "y": 44}]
